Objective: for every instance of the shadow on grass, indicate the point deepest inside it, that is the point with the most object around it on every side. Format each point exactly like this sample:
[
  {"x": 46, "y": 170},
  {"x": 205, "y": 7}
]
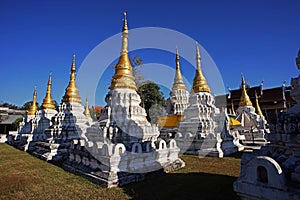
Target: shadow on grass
[
  {"x": 238, "y": 154},
  {"x": 183, "y": 186}
]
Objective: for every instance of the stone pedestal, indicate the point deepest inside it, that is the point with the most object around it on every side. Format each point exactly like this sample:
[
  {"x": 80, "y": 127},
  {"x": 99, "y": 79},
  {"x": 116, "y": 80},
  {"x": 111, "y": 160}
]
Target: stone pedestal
[
  {"x": 253, "y": 128},
  {"x": 123, "y": 147},
  {"x": 68, "y": 123}
]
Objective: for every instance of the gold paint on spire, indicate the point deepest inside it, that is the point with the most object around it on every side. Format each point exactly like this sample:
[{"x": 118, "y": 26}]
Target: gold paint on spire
[
  {"x": 123, "y": 77},
  {"x": 48, "y": 103},
  {"x": 33, "y": 108},
  {"x": 178, "y": 80},
  {"x": 72, "y": 94},
  {"x": 232, "y": 109},
  {"x": 245, "y": 100},
  {"x": 87, "y": 110},
  {"x": 199, "y": 82},
  {"x": 257, "y": 107}
]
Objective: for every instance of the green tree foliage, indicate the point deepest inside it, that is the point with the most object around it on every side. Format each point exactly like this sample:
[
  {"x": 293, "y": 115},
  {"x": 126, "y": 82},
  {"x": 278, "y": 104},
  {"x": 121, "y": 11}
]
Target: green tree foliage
[
  {"x": 94, "y": 114},
  {"x": 8, "y": 105},
  {"x": 152, "y": 100},
  {"x": 15, "y": 124},
  {"x": 136, "y": 63}
]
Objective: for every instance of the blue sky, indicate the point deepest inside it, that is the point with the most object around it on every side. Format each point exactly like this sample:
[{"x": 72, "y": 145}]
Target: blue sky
[{"x": 259, "y": 38}]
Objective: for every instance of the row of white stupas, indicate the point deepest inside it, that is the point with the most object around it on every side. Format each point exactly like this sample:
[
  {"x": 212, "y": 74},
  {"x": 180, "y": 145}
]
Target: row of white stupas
[{"x": 123, "y": 146}]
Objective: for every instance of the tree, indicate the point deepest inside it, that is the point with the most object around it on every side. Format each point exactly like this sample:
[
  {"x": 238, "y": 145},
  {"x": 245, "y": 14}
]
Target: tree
[
  {"x": 152, "y": 100},
  {"x": 15, "y": 124},
  {"x": 8, "y": 105},
  {"x": 27, "y": 105},
  {"x": 136, "y": 63}
]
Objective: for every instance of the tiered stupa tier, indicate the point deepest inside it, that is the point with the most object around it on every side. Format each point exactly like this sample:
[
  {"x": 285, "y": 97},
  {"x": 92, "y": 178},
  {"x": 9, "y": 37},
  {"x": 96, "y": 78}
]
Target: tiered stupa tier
[{"x": 199, "y": 133}]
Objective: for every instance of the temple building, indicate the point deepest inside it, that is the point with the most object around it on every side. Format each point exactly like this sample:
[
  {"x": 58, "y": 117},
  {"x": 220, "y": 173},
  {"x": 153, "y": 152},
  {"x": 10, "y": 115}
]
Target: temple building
[
  {"x": 272, "y": 101},
  {"x": 273, "y": 172},
  {"x": 203, "y": 131},
  {"x": 123, "y": 146}
]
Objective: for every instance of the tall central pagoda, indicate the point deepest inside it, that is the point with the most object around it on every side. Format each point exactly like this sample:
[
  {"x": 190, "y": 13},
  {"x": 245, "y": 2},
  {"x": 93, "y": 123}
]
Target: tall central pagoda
[{"x": 123, "y": 146}]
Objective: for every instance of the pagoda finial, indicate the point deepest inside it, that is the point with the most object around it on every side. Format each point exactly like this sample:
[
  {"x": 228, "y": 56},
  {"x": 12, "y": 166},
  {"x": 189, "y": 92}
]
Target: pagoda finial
[
  {"x": 48, "y": 103},
  {"x": 257, "y": 107},
  {"x": 33, "y": 108},
  {"x": 178, "y": 80},
  {"x": 199, "y": 82},
  {"x": 125, "y": 27},
  {"x": 123, "y": 77},
  {"x": 87, "y": 110},
  {"x": 72, "y": 94},
  {"x": 74, "y": 63},
  {"x": 245, "y": 100}
]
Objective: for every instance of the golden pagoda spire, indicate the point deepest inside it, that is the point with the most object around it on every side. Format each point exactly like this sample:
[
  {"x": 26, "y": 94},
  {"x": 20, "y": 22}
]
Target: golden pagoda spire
[
  {"x": 199, "y": 82},
  {"x": 123, "y": 77},
  {"x": 257, "y": 107},
  {"x": 72, "y": 94},
  {"x": 33, "y": 108},
  {"x": 87, "y": 110},
  {"x": 178, "y": 80},
  {"x": 232, "y": 109},
  {"x": 245, "y": 100},
  {"x": 48, "y": 103}
]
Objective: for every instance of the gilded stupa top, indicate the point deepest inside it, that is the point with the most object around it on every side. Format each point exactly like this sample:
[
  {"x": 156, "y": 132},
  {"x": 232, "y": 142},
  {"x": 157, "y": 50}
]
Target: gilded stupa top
[
  {"x": 33, "y": 108},
  {"x": 178, "y": 80},
  {"x": 48, "y": 103},
  {"x": 257, "y": 107},
  {"x": 245, "y": 100},
  {"x": 87, "y": 110},
  {"x": 123, "y": 77},
  {"x": 72, "y": 93},
  {"x": 199, "y": 82}
]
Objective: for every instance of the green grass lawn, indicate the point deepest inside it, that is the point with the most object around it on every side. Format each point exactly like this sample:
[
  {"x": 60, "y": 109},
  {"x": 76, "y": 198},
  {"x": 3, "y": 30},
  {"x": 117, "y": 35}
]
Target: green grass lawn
[{"x": 23, "y": 176}]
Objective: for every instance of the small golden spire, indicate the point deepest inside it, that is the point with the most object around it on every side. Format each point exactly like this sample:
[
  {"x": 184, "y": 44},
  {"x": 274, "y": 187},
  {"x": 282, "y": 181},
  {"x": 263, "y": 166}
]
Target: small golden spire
[
  {"x": 87, "y": 110},
  {"x": 48, "y": 103},
  {"x": 199, "y": 82},
  {"x": 178, "y": 80},
  {"x": 245, "y": 100},
  {"x": 123, "y": 77},
  {"x": 257, "y": 107},
  {"x": 72, "y": 94},
  {"x": 232, "y": 109},
  {"x": 33, "y": 108}
]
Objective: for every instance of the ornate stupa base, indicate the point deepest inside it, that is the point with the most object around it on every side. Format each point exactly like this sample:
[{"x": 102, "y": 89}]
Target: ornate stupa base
[{"x": 200, "y": 134}]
